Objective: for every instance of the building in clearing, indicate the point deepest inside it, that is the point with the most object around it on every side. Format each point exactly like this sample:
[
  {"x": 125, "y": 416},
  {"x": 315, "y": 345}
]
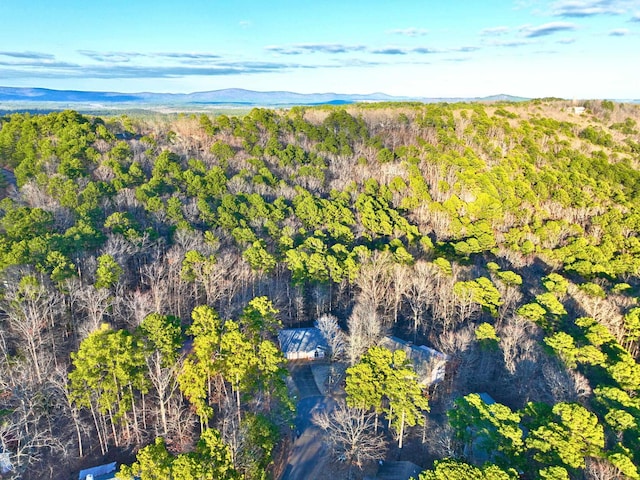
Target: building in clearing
[
  {"x": 429, "y": 364},
  {"x": 101, "y": 472},
  {"x": 5, "y": 462},
  {"x": 302, "y": 343}
]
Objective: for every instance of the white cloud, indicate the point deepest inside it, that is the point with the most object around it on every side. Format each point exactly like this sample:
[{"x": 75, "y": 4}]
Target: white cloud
[
  {"x": 495, "y": 31},
  {"x": 588, "y": 8},
  {"x": 566, "y": 41},
  {"x": 619, "y": 32},
  {"x": 546, "y": 29},
  {"x": 409, "y": 32}
]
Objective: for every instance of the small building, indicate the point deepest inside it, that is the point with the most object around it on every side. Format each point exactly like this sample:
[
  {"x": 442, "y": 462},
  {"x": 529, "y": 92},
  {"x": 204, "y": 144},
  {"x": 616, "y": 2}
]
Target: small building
[
  {"x": 486, "y": 398},
  {"x": 302, "y": 343},
  {"x": 101, "y": 472},
  {"x": 429, "y": 364},
  {"x": 5, "y": 462},
  {"x": 578, "y": 110},
  {"x": 397, "y": 471}
]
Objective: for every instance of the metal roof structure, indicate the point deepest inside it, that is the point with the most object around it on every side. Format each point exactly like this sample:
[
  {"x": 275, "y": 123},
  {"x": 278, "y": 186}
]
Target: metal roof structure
[
  {"x": 428, "y": 363},
  {"x": 486, "y": 398},
  {"x": 100, "y": 472},
  {"x": 301, "y": 342}
]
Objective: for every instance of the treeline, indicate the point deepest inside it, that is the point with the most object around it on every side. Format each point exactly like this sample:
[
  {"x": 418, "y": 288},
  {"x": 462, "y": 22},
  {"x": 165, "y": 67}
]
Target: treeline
[{"x": 504, "y": 235}]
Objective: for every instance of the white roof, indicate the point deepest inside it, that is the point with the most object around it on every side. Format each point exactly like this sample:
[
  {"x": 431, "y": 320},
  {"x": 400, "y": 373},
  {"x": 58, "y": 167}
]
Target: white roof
[
  {"x": 301, "y": 340},
  {"x": 103, "y": 471},
  {"x": 428, "y": 363}
]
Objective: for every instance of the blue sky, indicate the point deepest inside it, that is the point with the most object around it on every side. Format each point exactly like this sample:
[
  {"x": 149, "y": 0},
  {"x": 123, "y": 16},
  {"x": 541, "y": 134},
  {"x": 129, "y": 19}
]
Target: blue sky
[{"x": 564, "y": 48}]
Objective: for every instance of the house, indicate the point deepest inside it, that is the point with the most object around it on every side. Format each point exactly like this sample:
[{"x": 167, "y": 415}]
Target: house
[
  {"x": 486, "y": 398},
  {"x": 578, "y": 110},
  {"x": 5, "y": 462},
  {"x": 302, "y": 343},
  {"x": 429, "y": 364},
  {"x": 101, "y": 472},
  {"x": 397, "y": 471}
]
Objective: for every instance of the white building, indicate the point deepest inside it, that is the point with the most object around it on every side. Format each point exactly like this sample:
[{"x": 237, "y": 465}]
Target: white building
[
  {"x": 302, "y": 343},
  {"x": 429, "y": 364},
  {"x": 101, "y": 472}
]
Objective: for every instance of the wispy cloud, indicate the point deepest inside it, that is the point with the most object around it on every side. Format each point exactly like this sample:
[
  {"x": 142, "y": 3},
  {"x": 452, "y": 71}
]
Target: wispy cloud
[
  {"x": 300, "y": 48},
  {"x": 125, "y": 57},
  {"x": 358, "y": 62},
  {"x": 494, "y": 31},
  {"x": 589, "y": 8},
  {"x": 426, "y": 50},
  {"x": 37, "y": 63},
  {"x": 409, "y": 32},
  {"x": 244, "y": 23},
  {"x": 110, "y": 57},
  {"x": 509, "y": 43},
  {"x": 457, "y": 60},
  {"x": 421, "y": 50},
  {"x": 36, "y": 68},
  {"x": 30, "y": 55},
  {"x": 636, "y": 18},
  {"x": 465, "y": 49},
  {"x": 566, "y": 41},
  {"x": 619, "y": 32},
  {"x": 389, "y": 51},
  {"x": 189, "y": 56},
  {"x": 392, "y": 50},
  {"x": 546, "y": 29}
]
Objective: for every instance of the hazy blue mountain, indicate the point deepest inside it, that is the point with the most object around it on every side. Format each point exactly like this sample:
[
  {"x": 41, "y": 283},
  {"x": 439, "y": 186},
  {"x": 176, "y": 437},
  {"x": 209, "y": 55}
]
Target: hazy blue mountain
[{"x": 229, "y": 96}]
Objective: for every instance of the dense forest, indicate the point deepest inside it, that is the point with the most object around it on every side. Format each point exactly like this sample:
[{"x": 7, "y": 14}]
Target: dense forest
[{"x": 147, "y": 263}]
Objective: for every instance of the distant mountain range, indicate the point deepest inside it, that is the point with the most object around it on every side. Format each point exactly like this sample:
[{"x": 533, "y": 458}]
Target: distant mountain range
[{"x": 229, "y": 96}]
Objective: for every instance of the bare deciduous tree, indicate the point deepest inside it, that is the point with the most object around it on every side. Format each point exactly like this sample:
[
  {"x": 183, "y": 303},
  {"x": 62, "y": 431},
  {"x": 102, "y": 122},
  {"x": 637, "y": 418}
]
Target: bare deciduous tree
[
  {"x": 351, "y": 435},
  {"x": 374, "y": 281},
  {"x": 365, "y": 328},
  {"x": 333, "y": 334},
  {"x": 400, "y": 282},
  {"x": 32, "y": 308},
  {"x": 601, "y": 469},
  {"x": 93, "y": 303},
  {"x": 420, "y": 292},
  {"x": 441, "y": 440},
  {"x": 518, "y": 341}
]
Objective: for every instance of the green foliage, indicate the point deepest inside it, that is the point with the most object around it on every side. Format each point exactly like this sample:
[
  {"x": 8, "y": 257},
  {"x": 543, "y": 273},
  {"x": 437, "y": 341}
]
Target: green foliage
[
  {"x": 469, "y": 189},
  {"x": 486, "y": 335},
  {"x": 164, "y": 334},
  {"x": 108, "y": 272},
  {"x": 493, "y": 429},
  {"x": 555, "y": 283},
  {"x": 593, "y": 290},
  {"x": 481, "y": 291},
  {"x": 554, "y": 473},
  {"x": 107, "y": 368},
  {"x": 510, "y": 278},
  {"x": 259, "y": 319},
  {"x": 211, "y": 460},
  {"x": 450, "y": 469},
  {"x": 532, "y": 311},
  {"x": 386, "y": 382},
  {"x": 573, "y": 435}
]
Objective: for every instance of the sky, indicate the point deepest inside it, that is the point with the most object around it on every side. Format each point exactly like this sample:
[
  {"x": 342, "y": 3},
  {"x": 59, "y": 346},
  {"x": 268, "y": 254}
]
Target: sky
[{"x": 418, "y": 48}]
